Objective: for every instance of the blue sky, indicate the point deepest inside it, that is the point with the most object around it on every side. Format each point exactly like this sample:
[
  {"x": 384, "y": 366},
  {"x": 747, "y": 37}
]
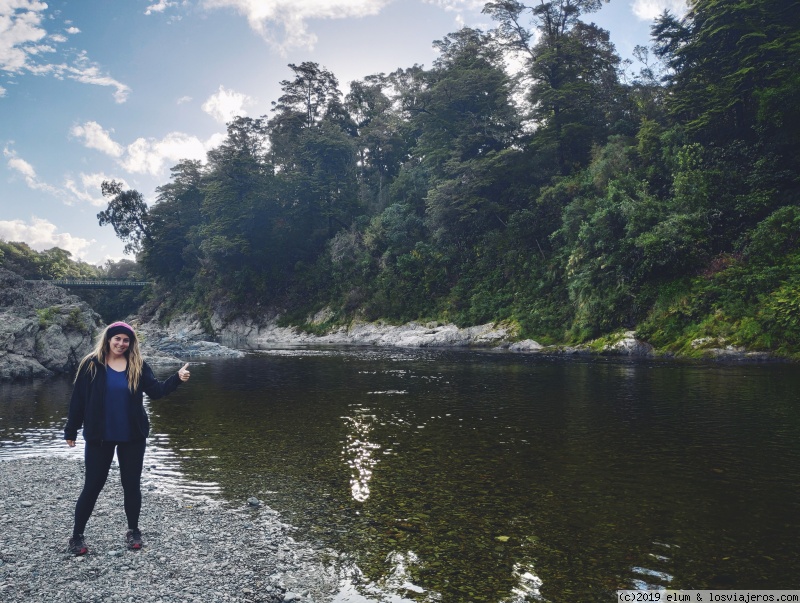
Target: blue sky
[{"x": 123, "y": 89}]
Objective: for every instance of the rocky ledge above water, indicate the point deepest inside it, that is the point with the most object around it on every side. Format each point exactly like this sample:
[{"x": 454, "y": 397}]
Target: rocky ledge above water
[
  {"x": 43, "y": 329},
  {"x": 495, "y": 336},
  {"x": 182, "y": 340},
  {"x": 501, "y": 337}
]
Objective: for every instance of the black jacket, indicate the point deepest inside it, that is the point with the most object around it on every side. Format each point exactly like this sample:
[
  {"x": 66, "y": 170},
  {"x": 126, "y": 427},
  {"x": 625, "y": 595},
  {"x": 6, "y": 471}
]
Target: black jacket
[{"x": 87, "y": 406}]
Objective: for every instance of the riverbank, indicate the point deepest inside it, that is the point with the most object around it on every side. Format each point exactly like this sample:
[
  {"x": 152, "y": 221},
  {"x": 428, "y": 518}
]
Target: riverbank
[
  {"x": 249, "y": 333},
  {"x": 194, "y": 549}
]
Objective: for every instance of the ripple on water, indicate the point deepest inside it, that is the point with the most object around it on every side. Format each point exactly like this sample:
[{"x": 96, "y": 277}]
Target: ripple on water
[{"x": 163, "y": 467}]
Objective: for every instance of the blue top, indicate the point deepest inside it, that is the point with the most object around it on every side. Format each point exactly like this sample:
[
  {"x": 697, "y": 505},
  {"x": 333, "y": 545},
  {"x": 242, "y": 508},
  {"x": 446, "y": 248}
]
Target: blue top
[{"x": 118, "y": 426}]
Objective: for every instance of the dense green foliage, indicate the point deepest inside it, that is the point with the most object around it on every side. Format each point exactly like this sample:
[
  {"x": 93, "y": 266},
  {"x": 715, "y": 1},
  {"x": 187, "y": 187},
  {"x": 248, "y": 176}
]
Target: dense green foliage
[
  {"x": 568, "y": 196},
  {"x": 56, "y": 263}
]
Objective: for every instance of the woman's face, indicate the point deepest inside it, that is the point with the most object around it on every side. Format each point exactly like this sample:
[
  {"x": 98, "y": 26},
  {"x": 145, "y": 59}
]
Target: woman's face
[{"x": 119, "y": 344}]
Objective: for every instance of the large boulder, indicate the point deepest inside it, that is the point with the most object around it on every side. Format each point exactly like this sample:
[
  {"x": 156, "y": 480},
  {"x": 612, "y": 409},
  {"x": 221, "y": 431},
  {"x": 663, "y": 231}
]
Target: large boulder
[{"x": 43, "y": 329}]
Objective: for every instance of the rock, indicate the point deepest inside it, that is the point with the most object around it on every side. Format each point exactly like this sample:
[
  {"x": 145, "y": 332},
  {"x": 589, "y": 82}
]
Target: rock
[
  {"x": 253, "y": 502},
  {"x": 526, "y": 345},
  {"x": 14, "y": 367},
  {"x": 291, "y": 597},
  {"x": 246, "y": 332},
  {"x": 181, "y": 339},
  {"x": 630, "y": 346},
  {"x": 43, "y": 328},
  {"x": 186, "y": 336}
]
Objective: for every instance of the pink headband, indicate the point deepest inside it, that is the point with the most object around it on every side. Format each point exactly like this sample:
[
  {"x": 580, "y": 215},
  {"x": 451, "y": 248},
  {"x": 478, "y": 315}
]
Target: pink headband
[{"x": 115, "y": 328}]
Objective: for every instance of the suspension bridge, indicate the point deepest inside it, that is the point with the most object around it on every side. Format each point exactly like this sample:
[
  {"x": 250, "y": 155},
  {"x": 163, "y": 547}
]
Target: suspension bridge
[{"x": 85, "y": 283}]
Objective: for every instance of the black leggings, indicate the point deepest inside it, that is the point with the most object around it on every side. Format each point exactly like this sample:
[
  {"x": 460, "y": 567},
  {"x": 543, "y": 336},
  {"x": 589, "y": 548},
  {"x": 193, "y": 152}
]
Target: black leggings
[{"x": 98, "y": 458}]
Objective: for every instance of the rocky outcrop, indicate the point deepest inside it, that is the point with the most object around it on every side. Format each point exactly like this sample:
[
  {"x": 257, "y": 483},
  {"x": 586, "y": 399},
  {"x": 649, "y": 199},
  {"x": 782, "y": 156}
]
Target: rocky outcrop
[
  {"x": 250, "y": 333},
  {"x": 718, "y": 348},
  {"x": 183, "y": 339},
  {"x": 43, "y": 329},
  {"x": 526, "y": 345},
  {"x": 411, "y": 335},
  {"x": 628, "y": 345}
]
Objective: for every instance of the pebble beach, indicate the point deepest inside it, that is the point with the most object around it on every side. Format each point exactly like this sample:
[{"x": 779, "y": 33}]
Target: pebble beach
[{"x": 195, "y": 550}]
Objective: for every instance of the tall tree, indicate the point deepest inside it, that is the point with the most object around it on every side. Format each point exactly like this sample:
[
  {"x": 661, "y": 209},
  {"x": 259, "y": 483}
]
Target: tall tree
[
  {"x": 127, "y": 213},
  {"x": 380, "y": 145},
  {"x": 238, "y": 210},
  {"x": 313, "y": 151},
  {"x": 573, "y": 69},
  {"x": 174, "y": 220},
  {"x": 466, "y": 121},
  {"x": 734, "y": 67}
]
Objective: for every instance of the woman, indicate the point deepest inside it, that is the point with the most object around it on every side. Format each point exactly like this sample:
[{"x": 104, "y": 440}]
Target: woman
[{"x": 107, "y": 403}]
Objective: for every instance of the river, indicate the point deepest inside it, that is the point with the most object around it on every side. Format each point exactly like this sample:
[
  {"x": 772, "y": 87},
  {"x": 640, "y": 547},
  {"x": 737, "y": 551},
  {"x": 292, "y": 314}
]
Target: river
[{"x": 463, "y": 476}]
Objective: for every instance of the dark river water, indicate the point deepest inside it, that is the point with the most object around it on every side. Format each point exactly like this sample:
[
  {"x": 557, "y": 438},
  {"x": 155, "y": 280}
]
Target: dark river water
[{"x": 454, "y": 476}]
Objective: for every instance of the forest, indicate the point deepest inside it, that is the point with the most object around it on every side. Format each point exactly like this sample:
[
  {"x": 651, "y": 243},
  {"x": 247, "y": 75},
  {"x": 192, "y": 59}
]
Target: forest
[{"x": 528, "y": 176}]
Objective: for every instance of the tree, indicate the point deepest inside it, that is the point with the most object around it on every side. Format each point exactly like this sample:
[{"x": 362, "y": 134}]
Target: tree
[
  {"x": 313, "y": 151},
  {"x": 733, "y": 67},
  {"x": 735, "y": 90},
  {"x": 174, "y": 222},
  {"x": 239, "y": 211},
  {"x": 311, "y": 95},
  {"x": 572, "y": 66},
  {"x": 307, "y": 99},
  {"x": 380, "y": 145},
  {"x": 127, "y": 213},
  {"x": 466, "y": 122}
]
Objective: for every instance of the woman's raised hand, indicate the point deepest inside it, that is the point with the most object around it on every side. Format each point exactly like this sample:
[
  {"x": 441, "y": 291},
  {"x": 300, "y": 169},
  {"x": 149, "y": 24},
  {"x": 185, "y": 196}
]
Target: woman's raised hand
[{"x": 184, "y": 373}]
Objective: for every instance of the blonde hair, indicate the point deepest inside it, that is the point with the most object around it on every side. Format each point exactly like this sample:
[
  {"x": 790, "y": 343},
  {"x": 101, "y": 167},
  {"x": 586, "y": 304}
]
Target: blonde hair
[{"x": 100, "y": 351}]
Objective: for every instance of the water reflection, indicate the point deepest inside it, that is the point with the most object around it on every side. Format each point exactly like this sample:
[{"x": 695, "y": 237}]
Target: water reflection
[
  {"x": 528, "y": 586},
  {"x": 359, "y": 452}
]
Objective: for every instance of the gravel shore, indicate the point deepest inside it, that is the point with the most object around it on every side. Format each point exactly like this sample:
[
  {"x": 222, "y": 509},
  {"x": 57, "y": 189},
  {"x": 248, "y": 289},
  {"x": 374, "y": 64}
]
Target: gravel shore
[{"x": 194, "y": 550}]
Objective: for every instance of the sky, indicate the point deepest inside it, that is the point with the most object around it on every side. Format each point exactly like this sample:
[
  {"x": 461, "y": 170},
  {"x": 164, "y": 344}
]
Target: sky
[{"x": 94, "y": 90}]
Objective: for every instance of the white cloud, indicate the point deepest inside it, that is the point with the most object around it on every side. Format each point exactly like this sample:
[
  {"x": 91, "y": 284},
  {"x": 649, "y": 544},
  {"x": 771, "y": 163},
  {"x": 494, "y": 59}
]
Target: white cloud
[
  {"x": 86, "y": 72},
  {"x": 2, "y": 92},
  {"x": 21, "y": 166},
  {"x": 226, "y": 104},
  {"x": 150, "y": 155},
  {"x": 144, "y": 155},
  {"x": 89, "y": 188},
  {"x": 87, "y": 191},
  {"x": 20, "y": 30},
  {"x": 647, "y": 10},
  {"x": 159, "y": 7},
  {"x": 27, "y": 171},
  {"x": 95, "y": 137},
  {"x": 21, "y": 50},
  {"x": 40, "y": 234},
  {"x": 283, "y": 23},
  {"x": 183, "y": 99},
  {"x": 73, "y": 30},
  {"x": 458, "y": 5}
]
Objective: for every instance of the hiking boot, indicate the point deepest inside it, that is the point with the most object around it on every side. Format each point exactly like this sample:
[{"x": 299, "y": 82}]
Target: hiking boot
[
  {"x": 77, "y": 545},
  {"x": 134, "y": 539}
]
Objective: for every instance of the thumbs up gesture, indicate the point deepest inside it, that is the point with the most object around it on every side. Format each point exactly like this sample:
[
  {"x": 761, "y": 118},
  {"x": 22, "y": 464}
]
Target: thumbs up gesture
[{"x": 184, "y": 373}]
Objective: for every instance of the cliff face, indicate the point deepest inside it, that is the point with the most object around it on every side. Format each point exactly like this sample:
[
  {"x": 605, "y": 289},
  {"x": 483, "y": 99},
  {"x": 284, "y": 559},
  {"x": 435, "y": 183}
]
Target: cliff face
[{"x": 43, "y": 329}]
